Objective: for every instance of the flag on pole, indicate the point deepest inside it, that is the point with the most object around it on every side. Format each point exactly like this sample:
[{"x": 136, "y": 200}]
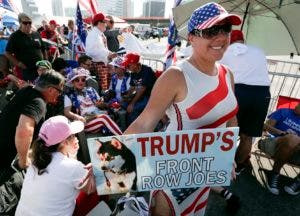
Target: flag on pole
[
  {"x": 80, "y": 34},
  {"x": 6, "y": 4},
  {"x": 90, "y": 5},
  {"x": 172, "y": 40}
]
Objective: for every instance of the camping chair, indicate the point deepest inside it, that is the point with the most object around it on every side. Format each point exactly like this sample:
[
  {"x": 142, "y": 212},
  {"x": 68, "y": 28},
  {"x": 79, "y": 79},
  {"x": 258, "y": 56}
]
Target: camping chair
[{"x": 283, "y": 102}]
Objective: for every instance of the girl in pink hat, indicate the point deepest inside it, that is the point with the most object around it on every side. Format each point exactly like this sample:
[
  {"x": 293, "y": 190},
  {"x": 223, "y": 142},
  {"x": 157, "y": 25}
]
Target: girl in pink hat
[{"x": 54, "y": 179}]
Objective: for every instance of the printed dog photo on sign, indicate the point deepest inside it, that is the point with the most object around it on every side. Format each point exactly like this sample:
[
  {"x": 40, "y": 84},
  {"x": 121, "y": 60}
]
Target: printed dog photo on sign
[{"x": 118, "y": 164}]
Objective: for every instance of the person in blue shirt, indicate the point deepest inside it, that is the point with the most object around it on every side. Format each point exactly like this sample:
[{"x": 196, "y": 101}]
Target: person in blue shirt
[{"x": 283, "y": 146}]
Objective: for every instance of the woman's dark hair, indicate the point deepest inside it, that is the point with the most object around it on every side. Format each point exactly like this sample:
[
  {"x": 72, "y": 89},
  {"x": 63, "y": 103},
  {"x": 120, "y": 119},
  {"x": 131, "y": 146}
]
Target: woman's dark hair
[{"x": 42, "y": 155}]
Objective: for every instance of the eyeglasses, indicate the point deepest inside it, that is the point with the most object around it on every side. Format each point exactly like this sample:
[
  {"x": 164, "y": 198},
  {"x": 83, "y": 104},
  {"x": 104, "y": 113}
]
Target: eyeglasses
[
  {"x": 212, "y": 31},
  {"x": 80, "y": 80},
  {"x": 56, "y": 88},
  {"x": 26, "y": 22}
]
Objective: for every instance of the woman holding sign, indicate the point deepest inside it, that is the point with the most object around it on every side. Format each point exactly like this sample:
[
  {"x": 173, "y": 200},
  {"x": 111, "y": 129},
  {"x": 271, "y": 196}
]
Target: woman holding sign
[{"x": 196, "y": 93}]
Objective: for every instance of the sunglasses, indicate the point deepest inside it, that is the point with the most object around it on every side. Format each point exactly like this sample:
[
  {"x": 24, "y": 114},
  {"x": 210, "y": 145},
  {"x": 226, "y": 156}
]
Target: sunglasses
[
  {"x": 212, "y": 31},
  {"x": 80, "y": 80},
  {"x": 26, "y": 22}
]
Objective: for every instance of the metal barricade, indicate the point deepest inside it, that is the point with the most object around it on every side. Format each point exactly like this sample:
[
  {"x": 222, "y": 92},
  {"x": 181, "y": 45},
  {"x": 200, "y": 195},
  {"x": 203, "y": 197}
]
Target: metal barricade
[
  {"x": 155, "y": 64},
  {"x": 284, "y": 76}
]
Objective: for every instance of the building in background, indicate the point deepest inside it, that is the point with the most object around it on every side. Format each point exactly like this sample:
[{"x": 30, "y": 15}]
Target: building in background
[
  {"x": 154, "y": 8},
  {"x": 57, "y": 8},
  {"x": 128, "y": 10},
  {"x": 112, "y": 7},
  {"x": 29, "y": 7}
]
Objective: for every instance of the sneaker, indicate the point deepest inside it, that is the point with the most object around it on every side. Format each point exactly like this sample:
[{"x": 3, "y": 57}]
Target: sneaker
[
  {"x": 272, "y": 183},
  {"x": 294, "y": 188}
]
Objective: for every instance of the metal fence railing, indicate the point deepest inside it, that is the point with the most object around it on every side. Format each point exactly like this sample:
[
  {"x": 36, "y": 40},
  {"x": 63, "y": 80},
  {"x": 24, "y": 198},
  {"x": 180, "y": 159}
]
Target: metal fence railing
[
  {"x": 284, "y": 76},
  {"x": 155, "y": 64}
]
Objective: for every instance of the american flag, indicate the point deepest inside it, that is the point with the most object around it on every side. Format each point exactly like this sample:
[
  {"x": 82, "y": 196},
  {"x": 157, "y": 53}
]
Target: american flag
[
  {"x": 79, "y": 36},
  {"x": 186, "y": 201},
  {"x": 6, "y": 4},
  {"x": 172, "y": 40},
  {"x": 205, "y": 17},
  {"x": 90, "y": 5}
]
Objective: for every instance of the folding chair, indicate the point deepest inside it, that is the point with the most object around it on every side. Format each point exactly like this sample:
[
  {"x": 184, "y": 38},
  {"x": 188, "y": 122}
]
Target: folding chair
[{"x": 283, "y": 102}]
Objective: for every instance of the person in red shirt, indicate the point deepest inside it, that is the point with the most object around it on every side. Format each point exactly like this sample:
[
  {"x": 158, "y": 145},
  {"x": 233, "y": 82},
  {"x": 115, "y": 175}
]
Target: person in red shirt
[{"x": 50, "y": 32}]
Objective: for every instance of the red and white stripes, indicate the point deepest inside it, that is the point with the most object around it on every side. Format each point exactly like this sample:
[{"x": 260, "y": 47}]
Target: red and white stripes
[{"x": 94, "y": 125}]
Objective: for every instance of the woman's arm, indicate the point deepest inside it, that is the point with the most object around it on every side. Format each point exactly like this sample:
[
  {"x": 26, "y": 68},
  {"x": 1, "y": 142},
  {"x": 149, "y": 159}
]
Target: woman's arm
[
  {"x": 168, "y": 89},
  {"x": 73, "y": 116}
]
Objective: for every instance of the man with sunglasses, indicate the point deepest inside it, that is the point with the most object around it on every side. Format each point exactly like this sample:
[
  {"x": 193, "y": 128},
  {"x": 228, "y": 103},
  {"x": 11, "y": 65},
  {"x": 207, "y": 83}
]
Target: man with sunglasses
[
  {"x": 252, "y": 83},
  {"x": 19, "y": 123},
  {"x": 25, "y": 48}
]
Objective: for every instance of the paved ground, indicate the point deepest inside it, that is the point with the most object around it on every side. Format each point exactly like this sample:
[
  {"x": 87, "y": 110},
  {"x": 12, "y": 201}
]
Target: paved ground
[{"x": 256, "y": 200}]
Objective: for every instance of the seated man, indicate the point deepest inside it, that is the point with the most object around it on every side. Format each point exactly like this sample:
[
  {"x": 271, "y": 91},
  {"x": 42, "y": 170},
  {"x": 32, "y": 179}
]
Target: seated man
[
  {"x": 142, "y": 81},
  {"x": 283, "y": 146}
]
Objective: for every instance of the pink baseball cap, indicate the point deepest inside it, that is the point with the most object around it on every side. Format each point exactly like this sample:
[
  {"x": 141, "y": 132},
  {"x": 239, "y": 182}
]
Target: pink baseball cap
[{"x": 58, "y": 128}]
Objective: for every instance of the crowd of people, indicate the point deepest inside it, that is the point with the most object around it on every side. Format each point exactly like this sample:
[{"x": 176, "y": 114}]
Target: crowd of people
[{"x": 112, "y": 93}]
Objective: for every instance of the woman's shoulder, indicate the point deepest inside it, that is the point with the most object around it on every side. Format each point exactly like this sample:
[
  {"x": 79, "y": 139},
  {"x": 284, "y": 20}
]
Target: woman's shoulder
[{"x": 67, "y": 162}]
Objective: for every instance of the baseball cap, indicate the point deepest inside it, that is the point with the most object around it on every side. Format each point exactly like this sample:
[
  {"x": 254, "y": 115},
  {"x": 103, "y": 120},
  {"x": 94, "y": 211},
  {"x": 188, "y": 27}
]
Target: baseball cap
[
  {"x": 117, "y": 62},
  {"x": 58, "y": 128},
  {"x": 236, "y": 35},
  {"x": 131, "y": 58},
  {"x": 53, "y": 22},
  {"x": 208, "y": 15},
  {"x": 44, "y": 64},
  {"x": 99, "y": 17}
]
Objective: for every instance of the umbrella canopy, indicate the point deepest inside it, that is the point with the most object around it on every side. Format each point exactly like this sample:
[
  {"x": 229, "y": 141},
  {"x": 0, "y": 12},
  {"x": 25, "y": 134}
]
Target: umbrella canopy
[{"x": 272, "y": 25}]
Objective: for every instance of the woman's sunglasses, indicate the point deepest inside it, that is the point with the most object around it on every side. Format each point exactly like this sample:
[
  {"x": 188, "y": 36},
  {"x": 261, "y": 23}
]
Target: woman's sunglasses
[
  {"x": 212, "y": 31},
  {"x": 80, "y": 80}
]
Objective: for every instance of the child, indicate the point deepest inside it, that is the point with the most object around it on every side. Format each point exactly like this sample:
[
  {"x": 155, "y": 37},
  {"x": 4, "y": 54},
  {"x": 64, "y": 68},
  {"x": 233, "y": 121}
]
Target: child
[{"x": 54, "y": 179}]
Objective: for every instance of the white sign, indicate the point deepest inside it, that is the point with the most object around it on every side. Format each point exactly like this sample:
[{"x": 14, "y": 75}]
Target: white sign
[{"x": 168, "y": 160}]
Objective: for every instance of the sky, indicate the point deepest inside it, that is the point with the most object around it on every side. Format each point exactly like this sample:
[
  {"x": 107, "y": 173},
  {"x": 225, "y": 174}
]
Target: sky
[{"x": 45, "y": 6}]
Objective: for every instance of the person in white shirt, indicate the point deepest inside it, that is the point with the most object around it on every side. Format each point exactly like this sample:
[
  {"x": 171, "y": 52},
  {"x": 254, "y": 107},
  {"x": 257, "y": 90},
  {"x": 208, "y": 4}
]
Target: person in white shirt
[
  {"x": 96, "y": 44},
  {"x": 249, "y": 67},
  {"x": 54, "y": 179}
]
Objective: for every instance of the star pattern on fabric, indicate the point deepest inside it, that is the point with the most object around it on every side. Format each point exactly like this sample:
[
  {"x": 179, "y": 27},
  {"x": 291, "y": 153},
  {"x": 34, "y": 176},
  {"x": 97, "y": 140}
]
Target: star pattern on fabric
[
  {"x": 203, "y": 15},
  {"x": 181, "y": 194}
]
